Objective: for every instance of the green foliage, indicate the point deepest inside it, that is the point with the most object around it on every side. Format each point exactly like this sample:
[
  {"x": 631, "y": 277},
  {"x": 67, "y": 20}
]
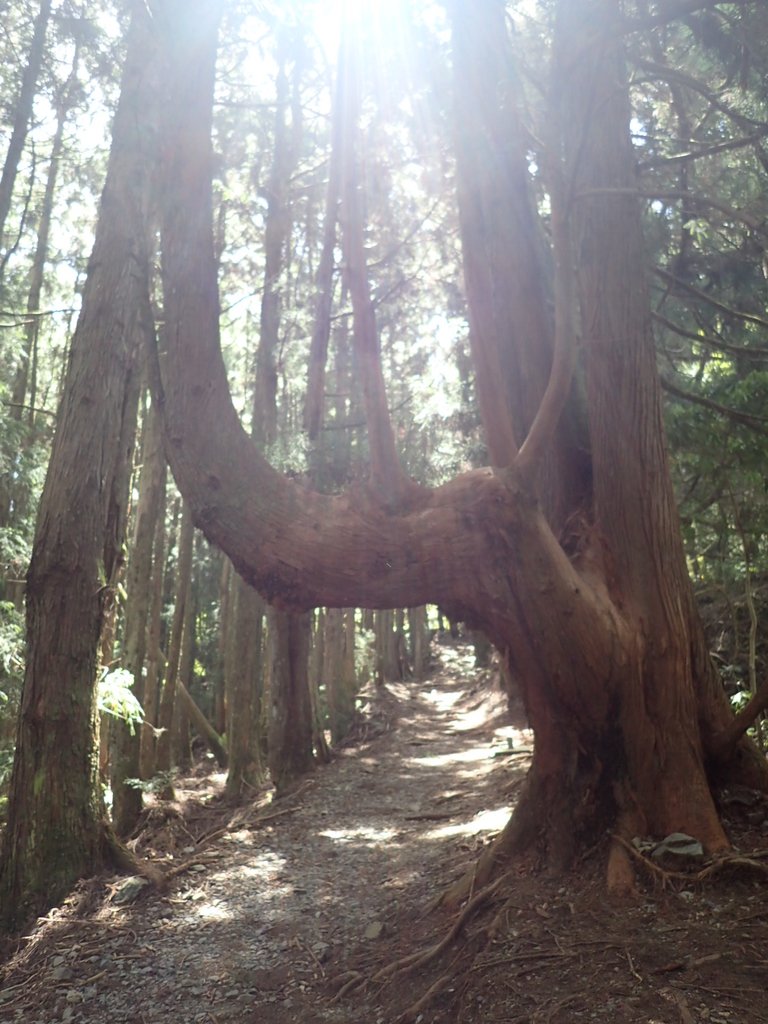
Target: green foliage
[
  {"x": 157, "y": 784},
  {"x": 116, "y": 697},
  {"x": 365, "y": 655},
  {"x": 11, "y": 644}
]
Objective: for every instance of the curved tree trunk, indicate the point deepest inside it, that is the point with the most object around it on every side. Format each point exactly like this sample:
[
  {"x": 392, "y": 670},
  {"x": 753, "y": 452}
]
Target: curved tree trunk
[
  {"x": 56, "y": 831},
  {"x": 572, "y": 566}
]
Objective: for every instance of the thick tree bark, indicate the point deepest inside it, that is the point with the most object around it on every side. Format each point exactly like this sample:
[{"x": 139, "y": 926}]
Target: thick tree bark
[{"x": 56, "y": 832}]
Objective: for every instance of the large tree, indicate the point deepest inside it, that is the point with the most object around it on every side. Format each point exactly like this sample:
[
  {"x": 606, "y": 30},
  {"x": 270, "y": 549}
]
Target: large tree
[{"x": 567, "y": 552}]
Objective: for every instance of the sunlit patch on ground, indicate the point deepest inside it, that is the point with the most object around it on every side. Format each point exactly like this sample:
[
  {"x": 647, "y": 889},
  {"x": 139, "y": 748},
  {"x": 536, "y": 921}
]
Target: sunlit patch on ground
[
  {"x": 214, "y": 912},
  {"x": 471, "y": 756},
  {"x": 366, "y": 835},
  {"x": 486, "y": 821},
  {"x": 443, "y": 700}
]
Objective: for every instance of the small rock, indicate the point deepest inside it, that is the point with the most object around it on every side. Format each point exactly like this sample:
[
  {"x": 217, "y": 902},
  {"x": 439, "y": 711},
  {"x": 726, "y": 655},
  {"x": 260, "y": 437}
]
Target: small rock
[
  {"x": 678, "y": 851},
  {"x": 321, "y": 950},
  {"x": 129, "y": 889}
]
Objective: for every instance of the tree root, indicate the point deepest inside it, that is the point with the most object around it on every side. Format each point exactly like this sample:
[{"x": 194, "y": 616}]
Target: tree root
[
  {"x": 411, "y": 1014},
  {"x": 409, "y": 963},
  {"x": 352, "y": 980},
  {"x": 119, "y": 856},
  {"x": 347, "y": 982},
  {"x": 724, "y": 862}
]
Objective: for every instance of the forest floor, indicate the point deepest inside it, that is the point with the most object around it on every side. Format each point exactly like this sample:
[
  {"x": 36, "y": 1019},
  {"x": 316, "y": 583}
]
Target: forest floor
[{"x": 289, "y": 912}]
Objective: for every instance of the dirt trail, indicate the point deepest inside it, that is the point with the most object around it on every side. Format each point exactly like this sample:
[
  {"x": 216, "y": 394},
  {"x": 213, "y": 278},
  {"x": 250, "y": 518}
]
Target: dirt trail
[
  {"x": 339, "y": 874},
  {"x": 336, "y": 882}
]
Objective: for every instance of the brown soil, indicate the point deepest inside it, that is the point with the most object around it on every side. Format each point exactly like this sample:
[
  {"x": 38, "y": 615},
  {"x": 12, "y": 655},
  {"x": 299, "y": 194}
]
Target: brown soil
[{"x": 297, "y": 911}]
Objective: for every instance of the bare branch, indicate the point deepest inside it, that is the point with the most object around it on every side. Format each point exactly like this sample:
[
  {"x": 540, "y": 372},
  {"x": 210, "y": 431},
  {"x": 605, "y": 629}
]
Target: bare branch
[
  {"x": 670, "y": 12},
  {"x": 751, "y": 318},
  {"x": 704, "y": 151},
  {"x": 740, "y": 351},
  {"x": 756, "y": 423},
  {"x": 675, "y": 75}
]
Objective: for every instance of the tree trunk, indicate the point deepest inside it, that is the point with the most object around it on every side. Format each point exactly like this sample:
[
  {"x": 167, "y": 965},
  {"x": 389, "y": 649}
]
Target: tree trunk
[
  {"x": 167, "y": 711},
  {"x": 417, "y": 627},
  {"x": 203, "y": 726},
  {"x": 320, "y": 744},
  {"x": 154, "y": 656},
  {"x": 244, "y": 688},
  {"x": 597, "y": 620},
  {"x": 181, "y": 740},
  {"x": 126, "y": 799},
  {"x": 339, "y": 687},
  {"x": 290, "y": 711},
  {"x": 56, "y": 831},
  {"x": 25, "y": 378},
  {"x": 219, "y": 693},
  {"x": 23, "y": 114}
]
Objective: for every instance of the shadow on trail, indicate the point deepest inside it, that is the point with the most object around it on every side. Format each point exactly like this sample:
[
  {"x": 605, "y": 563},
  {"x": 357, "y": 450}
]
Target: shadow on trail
[{"x": 342, "y": 871}]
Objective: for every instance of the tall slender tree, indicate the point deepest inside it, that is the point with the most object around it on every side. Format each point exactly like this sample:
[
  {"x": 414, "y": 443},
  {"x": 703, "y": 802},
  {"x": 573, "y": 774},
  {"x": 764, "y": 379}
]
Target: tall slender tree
[
  {"x": 56, "y": 827},
  {"x": 22, "y": 115}
]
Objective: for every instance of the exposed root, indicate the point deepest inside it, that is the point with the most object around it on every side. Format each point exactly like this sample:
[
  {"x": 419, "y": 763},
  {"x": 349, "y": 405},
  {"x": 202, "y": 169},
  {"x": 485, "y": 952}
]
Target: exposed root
[
  {"x": 409, "y": 963},
  {"x": 117, "y": 854},
  {"x": 411, "y": 1014},
  {"x": 620, "y": 875},
  {"x": 724, "y": 862},
  {"x": 347, "y": 982}
]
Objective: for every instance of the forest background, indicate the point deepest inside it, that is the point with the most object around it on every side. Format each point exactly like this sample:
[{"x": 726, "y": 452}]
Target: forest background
[{"x": 179, "y": 628}]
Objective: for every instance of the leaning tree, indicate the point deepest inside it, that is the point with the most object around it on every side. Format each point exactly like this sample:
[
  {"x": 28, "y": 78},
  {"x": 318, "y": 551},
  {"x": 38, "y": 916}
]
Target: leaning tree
[{"x": 567, "y": 550}]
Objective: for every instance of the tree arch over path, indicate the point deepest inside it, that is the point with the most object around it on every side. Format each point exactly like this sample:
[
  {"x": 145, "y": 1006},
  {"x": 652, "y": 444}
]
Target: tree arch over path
[{"x": 567, "y": 552}]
